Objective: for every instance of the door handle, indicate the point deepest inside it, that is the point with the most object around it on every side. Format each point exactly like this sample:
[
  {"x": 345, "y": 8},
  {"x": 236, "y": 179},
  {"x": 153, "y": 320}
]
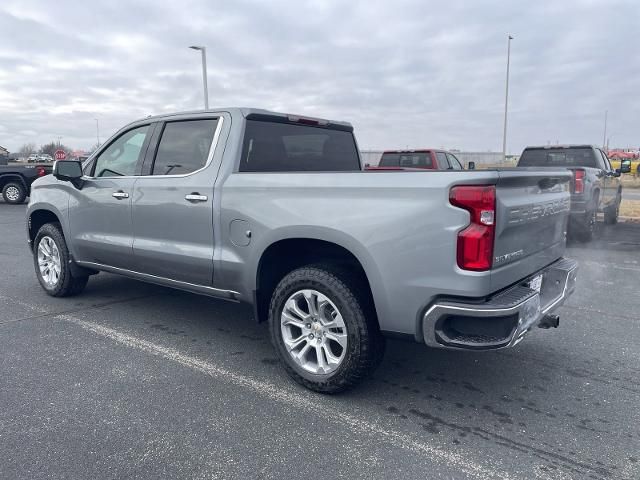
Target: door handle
[
  {"x": 196, "y": 197},
  {"x": 120, "y": 195}
]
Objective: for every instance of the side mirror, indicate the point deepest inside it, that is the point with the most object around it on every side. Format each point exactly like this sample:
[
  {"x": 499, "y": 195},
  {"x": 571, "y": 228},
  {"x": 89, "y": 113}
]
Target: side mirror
[
  {"x": 625, "y": 166},
  {"x": 471, "y": 166},
  {"x": 68, "y": 171}
]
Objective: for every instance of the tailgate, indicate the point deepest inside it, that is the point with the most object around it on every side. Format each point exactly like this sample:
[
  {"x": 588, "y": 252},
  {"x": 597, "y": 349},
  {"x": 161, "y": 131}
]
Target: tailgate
[{"x": 532, "y": 207}]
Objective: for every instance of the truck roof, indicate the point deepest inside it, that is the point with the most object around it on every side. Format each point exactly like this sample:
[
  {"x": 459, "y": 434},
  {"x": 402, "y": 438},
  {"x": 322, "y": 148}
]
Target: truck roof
[
  {"x": 416, "y": 150},
  {"x": 246, "y": 111},
  {"x": 549, "y": 147}
]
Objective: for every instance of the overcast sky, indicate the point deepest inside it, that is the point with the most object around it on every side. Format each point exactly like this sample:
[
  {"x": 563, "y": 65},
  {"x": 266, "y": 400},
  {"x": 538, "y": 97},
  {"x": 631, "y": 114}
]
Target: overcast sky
[{"x": 405, "y": 73}]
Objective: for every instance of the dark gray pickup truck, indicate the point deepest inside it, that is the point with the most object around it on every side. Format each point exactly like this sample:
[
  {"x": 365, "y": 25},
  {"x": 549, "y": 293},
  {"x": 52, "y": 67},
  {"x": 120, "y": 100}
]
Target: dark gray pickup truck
[
  {"x": 595, "y": 187},
  {"x": 16, "y": 180}
]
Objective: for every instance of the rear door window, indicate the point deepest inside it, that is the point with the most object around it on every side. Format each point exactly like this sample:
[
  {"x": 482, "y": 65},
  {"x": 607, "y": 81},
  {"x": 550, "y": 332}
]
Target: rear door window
[
  {"x": 443, "y": 163},
  {"x": 184, "y": 146},
  {"x": 284, "y": 147},
  {"x": 605, "y": 159}
]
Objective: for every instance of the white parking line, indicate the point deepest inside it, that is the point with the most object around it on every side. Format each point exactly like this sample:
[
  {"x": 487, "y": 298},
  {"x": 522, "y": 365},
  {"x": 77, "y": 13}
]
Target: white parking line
[{"x": 301, "y": 400}]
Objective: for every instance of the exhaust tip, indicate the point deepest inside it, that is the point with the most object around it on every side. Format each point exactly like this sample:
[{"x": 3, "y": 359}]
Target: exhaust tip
[{"x": 549, "y": 321}]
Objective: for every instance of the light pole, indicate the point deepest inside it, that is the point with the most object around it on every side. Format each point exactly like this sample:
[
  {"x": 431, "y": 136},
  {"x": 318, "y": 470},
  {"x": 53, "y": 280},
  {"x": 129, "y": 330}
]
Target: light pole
[
  {"x": 604, "y": 136},
  {"x": 506, "y": 103},
  {"x": 97, "y": 133},
  {"x": 203, "y": 51}
]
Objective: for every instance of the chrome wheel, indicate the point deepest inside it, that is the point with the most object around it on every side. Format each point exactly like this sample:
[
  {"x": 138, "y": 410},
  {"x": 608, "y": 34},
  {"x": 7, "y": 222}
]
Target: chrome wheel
[
  {"x": 314, "y": 332},
  {"x": 49, "y": 261},
  {"x": 12, "y": 193}
]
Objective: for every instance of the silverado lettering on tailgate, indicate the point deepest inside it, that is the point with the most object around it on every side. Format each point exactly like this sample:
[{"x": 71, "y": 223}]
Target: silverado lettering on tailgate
[{"x": 527, "y": 213}]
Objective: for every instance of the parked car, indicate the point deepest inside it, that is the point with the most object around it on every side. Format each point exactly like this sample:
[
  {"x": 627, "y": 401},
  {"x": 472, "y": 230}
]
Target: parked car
[
  {"x": 40, "y": 158},
  {"x": 275, "y": 210},
  {"x": 16, "y": 180},
  {"x": 595, "y": 187},
  {"x": 424, "y": 159}
]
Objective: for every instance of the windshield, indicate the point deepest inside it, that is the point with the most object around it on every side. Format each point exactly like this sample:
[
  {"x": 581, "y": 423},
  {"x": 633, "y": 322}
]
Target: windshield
[{"x": 558, "y": 157}]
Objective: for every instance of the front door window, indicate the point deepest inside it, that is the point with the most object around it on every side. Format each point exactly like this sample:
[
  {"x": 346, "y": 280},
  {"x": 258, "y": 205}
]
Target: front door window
[{"x": 121, "y": 158}]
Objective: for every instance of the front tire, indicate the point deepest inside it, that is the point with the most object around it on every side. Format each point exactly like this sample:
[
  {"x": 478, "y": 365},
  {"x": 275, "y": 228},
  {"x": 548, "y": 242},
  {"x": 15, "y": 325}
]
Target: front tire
[
  {"x": 324, "y": 329},
  {"x": 51, "y": 259},
  {"x": 14, "y": 193},
  {"x": 611, "y": 214}
]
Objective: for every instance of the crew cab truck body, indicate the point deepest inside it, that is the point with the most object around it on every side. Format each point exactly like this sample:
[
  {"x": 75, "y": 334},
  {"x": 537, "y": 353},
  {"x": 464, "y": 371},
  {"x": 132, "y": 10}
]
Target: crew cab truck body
[
  {"x": 16, "y": 180},
  {"x": 276, "y": 211},
  {"x": 595, "y": 187}
]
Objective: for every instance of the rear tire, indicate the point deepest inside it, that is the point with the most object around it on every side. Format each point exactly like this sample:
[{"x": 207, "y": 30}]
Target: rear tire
[
  {"x": 316, "y": 296},
  {"x": 14, "y": 193},
  {"x": 51, "y": 260},
  {"x": 588, "y": 227}
]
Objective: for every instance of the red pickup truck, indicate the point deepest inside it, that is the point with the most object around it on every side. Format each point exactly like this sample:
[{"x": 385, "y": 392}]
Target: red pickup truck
[{"x": 423, "y": 159}]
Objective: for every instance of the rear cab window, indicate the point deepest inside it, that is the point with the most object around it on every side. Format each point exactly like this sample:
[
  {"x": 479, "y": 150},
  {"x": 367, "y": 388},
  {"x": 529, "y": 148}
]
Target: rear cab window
[
  {"x": 406, "y": 160},
  {"x": 280, "y": 146},
  {"x": 558, "y": 157}
]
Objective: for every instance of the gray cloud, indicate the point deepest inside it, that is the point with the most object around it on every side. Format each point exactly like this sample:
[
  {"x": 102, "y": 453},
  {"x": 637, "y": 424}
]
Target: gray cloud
[{"x": 404, "y": 73}]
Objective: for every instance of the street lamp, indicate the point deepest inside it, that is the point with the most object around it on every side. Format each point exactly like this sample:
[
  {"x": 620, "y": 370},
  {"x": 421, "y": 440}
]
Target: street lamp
[
  {"x": 203, "y": 51},
  {"x": 604, "y": 136},
  {"x": 97, "y": 133},
  {"x": 506, "y": 102}
]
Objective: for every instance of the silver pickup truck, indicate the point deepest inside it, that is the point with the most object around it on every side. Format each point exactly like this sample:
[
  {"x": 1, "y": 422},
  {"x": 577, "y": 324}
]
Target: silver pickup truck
[
  {"x": 276, "y": 211},
  {"x": 595, "y": 187}
]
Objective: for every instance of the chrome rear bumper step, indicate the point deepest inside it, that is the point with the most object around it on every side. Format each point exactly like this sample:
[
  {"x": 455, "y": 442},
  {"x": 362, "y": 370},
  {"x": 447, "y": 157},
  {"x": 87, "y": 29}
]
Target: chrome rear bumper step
[{"x": 504, "y": 319}]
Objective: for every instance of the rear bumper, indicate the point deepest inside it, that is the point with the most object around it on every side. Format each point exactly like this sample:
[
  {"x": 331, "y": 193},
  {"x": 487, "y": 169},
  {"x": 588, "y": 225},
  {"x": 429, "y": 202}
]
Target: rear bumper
[{"x": 504, "y": 319}]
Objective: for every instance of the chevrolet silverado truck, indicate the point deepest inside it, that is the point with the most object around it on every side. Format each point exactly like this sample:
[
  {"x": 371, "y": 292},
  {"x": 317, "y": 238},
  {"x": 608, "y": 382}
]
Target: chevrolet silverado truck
[
  {"x": 16, "y": 180},
  {"x": 275, "y": 210},
  {"x": 595, "y": 187}
]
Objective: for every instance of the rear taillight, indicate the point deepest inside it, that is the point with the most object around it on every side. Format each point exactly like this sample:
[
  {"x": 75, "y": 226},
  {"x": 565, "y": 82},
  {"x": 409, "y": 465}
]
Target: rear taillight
[
  {"x": 40, "y": 171},
  {"x": 475, "y": 243},
  {"x": 578, "y": 181}
]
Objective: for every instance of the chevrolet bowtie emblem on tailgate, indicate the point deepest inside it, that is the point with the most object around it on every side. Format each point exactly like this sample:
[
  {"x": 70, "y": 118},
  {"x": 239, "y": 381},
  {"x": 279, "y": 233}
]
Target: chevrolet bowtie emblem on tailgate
[{"x": 533, "y": 212}]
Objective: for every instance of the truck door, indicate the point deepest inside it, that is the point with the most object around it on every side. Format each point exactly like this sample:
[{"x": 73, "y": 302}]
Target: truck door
[
  {"x": 100, "y": 212},
  {"x": 611, "y": 182},
  {"x": 173, "y": 203}
]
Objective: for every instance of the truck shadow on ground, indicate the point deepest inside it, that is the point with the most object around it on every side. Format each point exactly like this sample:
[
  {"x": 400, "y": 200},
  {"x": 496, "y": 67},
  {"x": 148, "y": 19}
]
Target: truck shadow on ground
[{"x": 624, "y": 236}]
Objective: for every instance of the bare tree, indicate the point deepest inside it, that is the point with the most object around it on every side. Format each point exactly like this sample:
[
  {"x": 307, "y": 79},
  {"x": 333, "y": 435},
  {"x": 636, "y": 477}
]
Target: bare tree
[{"x": 27, "y": 149}]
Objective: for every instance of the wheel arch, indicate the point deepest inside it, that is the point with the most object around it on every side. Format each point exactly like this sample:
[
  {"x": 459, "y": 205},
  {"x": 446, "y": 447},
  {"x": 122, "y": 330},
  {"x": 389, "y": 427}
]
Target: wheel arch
[
  {"x": 8, "y": 177},
  {"x": 38, "y": 217},
  {"x": 283, "y": 254}
]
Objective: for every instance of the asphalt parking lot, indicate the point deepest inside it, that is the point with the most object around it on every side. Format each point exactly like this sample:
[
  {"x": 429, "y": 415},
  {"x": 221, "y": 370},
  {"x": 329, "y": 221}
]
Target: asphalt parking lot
[{"x": 131, "y": 380}]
